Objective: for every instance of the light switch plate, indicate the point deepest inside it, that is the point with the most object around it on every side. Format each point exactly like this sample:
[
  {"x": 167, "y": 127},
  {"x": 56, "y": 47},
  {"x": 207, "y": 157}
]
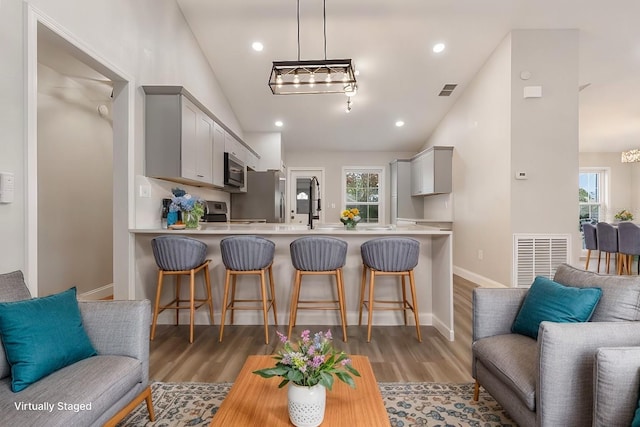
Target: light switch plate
[{"x": 145, "y": 191}]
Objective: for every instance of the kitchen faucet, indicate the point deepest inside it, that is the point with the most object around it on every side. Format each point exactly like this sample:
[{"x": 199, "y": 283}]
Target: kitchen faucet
[{"x": 314, "y": 194}]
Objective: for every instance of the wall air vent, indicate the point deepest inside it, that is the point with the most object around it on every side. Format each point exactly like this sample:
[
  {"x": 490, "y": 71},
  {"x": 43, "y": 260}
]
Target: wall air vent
[
  {"x": 447, "y": 89},
  {"x": 538, "y": 255}
]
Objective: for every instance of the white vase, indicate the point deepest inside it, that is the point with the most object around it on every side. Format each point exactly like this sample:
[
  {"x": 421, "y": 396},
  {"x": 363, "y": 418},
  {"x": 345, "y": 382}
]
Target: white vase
[{"x": 306, "y": 405}]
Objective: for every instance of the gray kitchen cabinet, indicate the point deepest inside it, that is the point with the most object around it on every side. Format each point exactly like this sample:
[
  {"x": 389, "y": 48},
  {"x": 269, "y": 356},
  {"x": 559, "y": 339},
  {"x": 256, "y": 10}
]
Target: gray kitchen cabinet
[
  {"x": 431, "y": 171},
  {"x": 179, "y": 140},
  {"x": 218, "y": 155},
  {"x": 252, "y": 161},
  {"x": 234, "y": 147},
  {"x": 403, "y": 204},
  {"x": 196, "y": 143}
]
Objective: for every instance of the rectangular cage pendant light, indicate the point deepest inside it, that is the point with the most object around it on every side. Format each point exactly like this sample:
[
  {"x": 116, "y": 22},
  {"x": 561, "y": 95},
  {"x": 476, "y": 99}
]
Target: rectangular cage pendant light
[{"x": 312, "y": 77}]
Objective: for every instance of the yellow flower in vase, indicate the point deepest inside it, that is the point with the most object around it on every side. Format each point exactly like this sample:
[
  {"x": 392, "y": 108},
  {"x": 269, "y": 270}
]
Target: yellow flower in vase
[{"x": 350, "y": 218}]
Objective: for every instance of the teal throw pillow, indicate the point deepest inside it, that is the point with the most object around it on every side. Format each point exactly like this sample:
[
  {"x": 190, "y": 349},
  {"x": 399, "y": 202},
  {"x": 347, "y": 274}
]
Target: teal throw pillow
[
  {"x": 42, "y": 335},
  {"x": 553, "y": 302},
  {"x": 636, "y": 418}
]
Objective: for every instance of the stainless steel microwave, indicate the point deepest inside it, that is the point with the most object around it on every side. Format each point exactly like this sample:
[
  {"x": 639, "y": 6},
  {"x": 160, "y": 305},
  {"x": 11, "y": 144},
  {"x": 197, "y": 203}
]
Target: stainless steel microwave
[{"x": 233, "y": 171}]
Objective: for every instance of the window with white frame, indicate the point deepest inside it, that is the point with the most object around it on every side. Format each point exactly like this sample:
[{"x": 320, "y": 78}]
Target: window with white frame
[
  {"x": 363, "y": 189},
  {"x": 592, "y": 194}
]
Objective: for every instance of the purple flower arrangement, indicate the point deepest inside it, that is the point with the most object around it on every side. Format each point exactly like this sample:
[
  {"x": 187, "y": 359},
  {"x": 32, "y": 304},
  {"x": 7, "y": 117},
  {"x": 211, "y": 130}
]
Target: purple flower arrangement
[{"x": 310, "y": 361}]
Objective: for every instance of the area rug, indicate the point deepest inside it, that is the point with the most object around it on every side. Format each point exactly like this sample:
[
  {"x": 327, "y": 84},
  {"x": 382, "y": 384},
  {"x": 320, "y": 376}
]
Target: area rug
[{"x": 408, "y": 404}]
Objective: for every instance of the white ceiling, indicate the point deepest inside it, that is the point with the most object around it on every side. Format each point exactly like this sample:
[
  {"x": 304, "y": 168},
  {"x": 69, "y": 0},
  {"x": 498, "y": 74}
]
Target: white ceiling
[{"x": 400, "y": 77}]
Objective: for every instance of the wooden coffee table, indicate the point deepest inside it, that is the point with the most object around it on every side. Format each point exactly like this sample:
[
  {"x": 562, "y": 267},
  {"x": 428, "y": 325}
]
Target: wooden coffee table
[{"x": 256, "y": 401}]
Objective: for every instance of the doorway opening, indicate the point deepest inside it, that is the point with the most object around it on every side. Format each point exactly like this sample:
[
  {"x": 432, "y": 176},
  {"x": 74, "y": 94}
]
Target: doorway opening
[{"x": 79, "y": 151}]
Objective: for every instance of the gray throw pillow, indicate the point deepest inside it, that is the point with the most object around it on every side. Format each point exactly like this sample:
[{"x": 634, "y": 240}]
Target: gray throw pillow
[{"x": 620, "y": 299}]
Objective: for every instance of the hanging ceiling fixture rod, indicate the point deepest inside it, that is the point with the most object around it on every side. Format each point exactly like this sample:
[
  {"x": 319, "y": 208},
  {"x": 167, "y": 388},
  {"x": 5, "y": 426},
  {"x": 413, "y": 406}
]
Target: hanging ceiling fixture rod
[{"x": 313, "y": 76}]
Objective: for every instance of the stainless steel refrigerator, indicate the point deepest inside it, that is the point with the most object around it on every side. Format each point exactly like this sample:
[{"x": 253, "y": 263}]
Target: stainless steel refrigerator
[{"x": 264, "y": 198}]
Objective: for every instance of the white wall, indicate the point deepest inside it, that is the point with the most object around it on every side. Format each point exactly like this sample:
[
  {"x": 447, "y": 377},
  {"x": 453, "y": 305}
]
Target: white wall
[
  {"x": 12, "y": 135},
  {"x": 147, "y": 40},
  {"x": 333, "y": 162},
  {"x": 496, "y": 132},
  {"x": 269, "y": 146},
  {"x": 75, "y": 186},
  {"x": 478, "y": 126},
  {"x": 544, "y": 133},
  {"x": 623, "y": 187}
]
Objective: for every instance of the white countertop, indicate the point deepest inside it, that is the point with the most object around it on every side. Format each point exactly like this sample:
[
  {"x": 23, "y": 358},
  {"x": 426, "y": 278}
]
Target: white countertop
[{"x": 257, "y": 228}]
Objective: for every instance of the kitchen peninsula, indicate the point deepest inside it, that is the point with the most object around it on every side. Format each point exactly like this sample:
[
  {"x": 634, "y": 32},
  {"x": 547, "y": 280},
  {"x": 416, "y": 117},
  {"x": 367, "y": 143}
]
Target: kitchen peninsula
[{"x": 433, "y": 274}]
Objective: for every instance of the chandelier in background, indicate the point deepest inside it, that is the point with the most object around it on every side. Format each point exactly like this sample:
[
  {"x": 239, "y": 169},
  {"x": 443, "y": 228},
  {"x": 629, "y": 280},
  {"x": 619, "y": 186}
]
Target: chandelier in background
[
  {"x": 631, "y": 156},
  {"x": 313, "y": 76}
]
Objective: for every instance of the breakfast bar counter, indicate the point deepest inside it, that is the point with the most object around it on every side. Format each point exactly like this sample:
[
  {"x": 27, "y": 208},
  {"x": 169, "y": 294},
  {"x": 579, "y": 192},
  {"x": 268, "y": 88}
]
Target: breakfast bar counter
[{"x": 434, "y": 280}]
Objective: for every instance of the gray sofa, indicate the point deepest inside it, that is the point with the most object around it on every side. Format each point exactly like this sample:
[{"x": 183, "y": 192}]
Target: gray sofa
[
  {"x": 113, "y": 382},
  {"x": 550, "y": 381}
]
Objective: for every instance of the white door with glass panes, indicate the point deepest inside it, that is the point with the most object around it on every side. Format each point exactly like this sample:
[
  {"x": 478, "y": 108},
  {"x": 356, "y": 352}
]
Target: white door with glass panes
[{"x": 300, "y": 194}]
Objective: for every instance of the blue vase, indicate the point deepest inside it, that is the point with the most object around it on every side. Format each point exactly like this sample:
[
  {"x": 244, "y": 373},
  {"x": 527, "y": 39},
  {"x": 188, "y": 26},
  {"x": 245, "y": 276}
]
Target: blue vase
[{"x": 172, "y": 218}]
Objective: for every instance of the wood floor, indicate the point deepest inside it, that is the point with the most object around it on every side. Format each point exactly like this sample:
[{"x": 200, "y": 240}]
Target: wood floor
[{"x": 394, "y": 352}]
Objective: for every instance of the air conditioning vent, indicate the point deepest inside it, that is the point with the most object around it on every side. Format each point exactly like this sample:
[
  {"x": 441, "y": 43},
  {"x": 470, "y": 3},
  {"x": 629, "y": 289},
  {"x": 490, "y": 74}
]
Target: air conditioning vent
[
  {"x": 447, "y": 89},
  {"x": 538, "y": 255}
]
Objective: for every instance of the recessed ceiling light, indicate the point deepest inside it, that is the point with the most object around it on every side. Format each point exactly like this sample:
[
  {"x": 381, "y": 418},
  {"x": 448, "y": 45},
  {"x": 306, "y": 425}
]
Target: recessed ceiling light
[
  {"x": 438, "y": 47},
  {"x": 257, "y": 46},
  {"x": 279, "y": 123},
  {"x": 399, "y": 123}
]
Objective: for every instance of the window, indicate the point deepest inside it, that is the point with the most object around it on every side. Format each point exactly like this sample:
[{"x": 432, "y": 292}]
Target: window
[
  {"x": 363, "y": 190},
  {"x": 592, "y": 195}
]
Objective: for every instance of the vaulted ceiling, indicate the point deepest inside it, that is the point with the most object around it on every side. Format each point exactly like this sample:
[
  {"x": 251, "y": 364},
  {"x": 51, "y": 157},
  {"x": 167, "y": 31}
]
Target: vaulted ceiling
[{"x": 400, "y": 76}]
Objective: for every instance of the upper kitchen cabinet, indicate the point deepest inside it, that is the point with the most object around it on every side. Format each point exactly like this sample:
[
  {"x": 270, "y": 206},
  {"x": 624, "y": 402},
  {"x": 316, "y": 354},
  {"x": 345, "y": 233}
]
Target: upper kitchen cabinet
[
  {"x": 196, "y": 143},
  {"x": 218, "y": 155},
  {"x": 235, "y": 148},
  {"x": 185, "y": 142},
  {"x": 179, "y": 138},
  {"x": 431, "y": 171},
  {"x": 252, "y": 161}
]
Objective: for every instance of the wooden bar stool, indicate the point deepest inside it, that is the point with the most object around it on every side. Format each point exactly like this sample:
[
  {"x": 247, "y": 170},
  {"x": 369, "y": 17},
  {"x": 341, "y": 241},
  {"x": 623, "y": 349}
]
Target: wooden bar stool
[
  {"x": 316, "y": 255},
  {"x": 395, "y": 256},
  {"x": 178, "y": 256},
  {"x": 248, "y": 255}
]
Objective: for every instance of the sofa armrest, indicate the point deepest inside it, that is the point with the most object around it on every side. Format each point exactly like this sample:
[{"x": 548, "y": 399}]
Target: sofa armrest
[
  {"x": 494, "y": 310},
  {"x": 564, "y": 389},
  {"x": 616, "y": 384},
  {"x": 119, "y": 328}
]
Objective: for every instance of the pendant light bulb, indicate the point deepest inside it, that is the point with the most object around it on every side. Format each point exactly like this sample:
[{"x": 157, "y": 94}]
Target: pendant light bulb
[{"x": 312, "y": 80}]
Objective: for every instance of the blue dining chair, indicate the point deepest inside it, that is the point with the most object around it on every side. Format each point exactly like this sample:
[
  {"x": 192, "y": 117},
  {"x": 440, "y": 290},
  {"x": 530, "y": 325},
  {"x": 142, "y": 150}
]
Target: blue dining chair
[
  {"x": 590, "y": 242},
  {"x": 607, "y": 243},
  {"x": 629, "y": 245}
]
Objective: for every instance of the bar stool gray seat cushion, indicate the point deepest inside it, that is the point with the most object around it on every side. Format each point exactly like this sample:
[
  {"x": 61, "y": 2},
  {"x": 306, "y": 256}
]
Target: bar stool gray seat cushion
[
  {"x": 318, "y": 253},
  {"x": 391, "y": 254},
  {"x": 590, "y": 236},
  {"x": 178, "y": 253},
  {"x": 247, "y": 253},
  {"x": 607, "y": 237}
]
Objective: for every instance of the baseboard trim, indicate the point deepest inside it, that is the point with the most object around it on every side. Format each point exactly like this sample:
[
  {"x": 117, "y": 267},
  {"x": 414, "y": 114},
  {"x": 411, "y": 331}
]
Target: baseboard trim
[
  {"x": 97, "y": 294},
  {"x": 482, "y": 281}
]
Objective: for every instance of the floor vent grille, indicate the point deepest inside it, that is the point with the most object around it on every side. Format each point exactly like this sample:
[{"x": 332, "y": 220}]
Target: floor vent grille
[{"x": 538, "y": 255}]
